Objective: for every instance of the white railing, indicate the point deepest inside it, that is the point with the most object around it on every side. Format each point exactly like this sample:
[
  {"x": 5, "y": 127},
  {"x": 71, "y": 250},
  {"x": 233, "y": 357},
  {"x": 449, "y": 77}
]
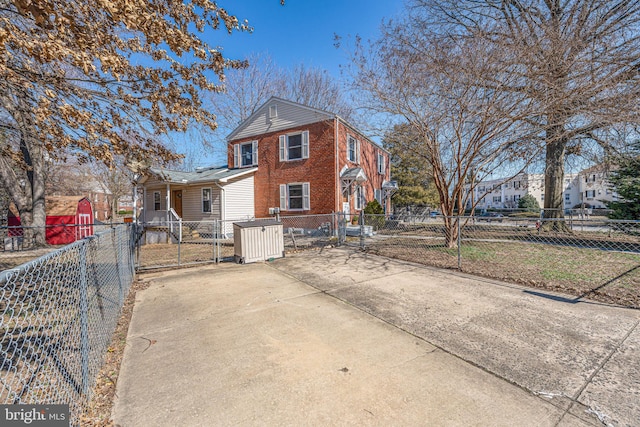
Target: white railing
[{"x": 173, "y": 217}]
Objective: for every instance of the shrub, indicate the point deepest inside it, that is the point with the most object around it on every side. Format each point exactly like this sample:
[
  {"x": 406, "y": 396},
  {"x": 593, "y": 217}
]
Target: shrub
[
  {"x": 529, "y": 203},
  {"x": 374, "y": 208}
]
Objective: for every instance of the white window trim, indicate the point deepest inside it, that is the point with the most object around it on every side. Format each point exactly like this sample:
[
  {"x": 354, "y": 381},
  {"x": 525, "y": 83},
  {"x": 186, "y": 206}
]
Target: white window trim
[
  {"x": 357, "y": 149},
  {"x": 284, "y": 197},
  {"x": 237, "y": 154},
  {"x": 210, "y": 200},
  {"x": 159, "y": 201},
  {"x": 382, "y": 164},
  {"x": 284, "y": 146},
  {"x": 273, "y": 111},
  {"x": 359, "y": 198}
]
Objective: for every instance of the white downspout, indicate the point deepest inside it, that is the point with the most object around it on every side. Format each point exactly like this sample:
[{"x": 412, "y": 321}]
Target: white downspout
[
  {"x": 338, "y": 189},
  {"x": 135, "y": 204},
  {"x": 223, "y": 205},
  {"x": 168, "y": 201}
]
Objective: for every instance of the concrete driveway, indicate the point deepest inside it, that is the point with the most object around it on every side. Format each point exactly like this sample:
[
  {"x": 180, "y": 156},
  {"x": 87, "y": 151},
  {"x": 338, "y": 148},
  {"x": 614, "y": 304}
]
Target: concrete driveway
[{"x": 335, "y": 337}]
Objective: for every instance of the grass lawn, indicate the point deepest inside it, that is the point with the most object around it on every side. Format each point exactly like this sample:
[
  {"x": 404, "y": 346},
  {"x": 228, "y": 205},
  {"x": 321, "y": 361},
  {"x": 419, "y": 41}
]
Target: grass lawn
[{"x": 607, "y": 276}]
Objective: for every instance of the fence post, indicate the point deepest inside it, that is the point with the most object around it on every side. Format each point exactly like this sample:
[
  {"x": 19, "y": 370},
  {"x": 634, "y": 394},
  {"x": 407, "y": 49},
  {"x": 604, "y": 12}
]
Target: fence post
[
  {"x": 84, "y": 319},
  {"x": 361, "y": 221},
  {"x": 459, "y": 246},
  {"x": 216, "y": 240}
]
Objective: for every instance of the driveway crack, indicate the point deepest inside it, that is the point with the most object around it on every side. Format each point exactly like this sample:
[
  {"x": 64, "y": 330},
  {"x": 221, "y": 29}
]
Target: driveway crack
[{"x": 576, "y": 396}]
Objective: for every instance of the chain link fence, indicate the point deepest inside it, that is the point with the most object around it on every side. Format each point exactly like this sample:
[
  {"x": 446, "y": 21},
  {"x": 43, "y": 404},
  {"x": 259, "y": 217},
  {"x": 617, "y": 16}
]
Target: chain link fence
[
  {"x": 59, "y": 312},
  {"x": 182, "y": 243},
  {"x": 583, "y": 255},
  {"x": 594, "y": 258}
]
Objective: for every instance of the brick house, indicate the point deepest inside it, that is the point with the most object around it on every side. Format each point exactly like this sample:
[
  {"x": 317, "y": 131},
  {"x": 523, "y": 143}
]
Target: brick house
[{"x": 309, "y": 161}]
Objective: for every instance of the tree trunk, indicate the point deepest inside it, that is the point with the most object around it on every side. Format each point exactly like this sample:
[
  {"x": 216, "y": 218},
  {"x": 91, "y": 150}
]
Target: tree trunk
[
  {"x": 554, "y": 185},
  {"x": 26, "y": 189}
]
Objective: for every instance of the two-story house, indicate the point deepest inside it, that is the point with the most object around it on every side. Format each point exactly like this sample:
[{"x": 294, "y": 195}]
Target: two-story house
[{"x": 308, "y": 161}]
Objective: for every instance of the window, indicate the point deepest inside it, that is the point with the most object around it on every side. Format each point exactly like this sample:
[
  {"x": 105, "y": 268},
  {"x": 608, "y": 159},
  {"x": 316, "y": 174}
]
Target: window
[
  {"x": 381, "y": 164},
  {"x": 377, "y": 194},
  {"x": 156, "y": 200},
  {"x": 353, "y": 149},
  {"x": 480, "y": 189},
  {"x": 567, "y": 197},
  {"x": 294, "y": 197},
  {"x": 497, "y": 199},
  {"x": 273, "y": 111},
  {"x": 294, "y": 146},
  {"x": 358, "y": 194},
  {"x": 516, "y": 185},
  {"x": 516, "y": 197},
  {"x": 245, "y": 154},
  {"x": 542, "y": 197},
  {"x": 590, "y": 193},
  {"x": 206, "y": 200}
]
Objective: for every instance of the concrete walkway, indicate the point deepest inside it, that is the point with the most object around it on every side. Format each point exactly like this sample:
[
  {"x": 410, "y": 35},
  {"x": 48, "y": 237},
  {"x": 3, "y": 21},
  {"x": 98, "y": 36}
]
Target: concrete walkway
[{"x": 344, "y": 338}]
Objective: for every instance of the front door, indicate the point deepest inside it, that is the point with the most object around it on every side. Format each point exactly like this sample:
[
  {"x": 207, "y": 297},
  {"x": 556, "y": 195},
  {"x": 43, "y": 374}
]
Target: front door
[{"x": 177, "y": 202}]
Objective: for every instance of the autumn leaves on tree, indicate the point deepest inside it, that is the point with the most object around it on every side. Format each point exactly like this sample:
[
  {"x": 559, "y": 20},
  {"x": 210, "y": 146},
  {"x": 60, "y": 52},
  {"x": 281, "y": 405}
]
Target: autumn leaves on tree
[{"x": 99, "y": 80}]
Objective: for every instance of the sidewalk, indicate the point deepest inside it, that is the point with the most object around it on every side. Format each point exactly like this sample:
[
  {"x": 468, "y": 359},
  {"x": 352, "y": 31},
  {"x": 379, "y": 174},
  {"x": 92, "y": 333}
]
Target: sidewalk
[{"x": 292, "y": 343}]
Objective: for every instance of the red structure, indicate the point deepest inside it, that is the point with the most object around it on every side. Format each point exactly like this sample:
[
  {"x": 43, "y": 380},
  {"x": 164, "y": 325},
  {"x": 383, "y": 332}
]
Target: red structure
[{"x": 68, "y": 220}]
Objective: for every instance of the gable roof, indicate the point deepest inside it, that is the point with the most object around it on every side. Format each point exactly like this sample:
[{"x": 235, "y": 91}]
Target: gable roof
[
  {"x": 290, "y": 114},
  {"x": 296, "y": 114},
  {"x": 200, "y": 175},
  {"x": 56, "y": 206}
]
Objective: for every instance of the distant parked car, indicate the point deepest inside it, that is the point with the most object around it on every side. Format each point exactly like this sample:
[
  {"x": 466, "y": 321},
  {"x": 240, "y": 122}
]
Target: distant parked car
[
  {"x": 433, "y": 214},
  {"x": 491, "y": 216}
]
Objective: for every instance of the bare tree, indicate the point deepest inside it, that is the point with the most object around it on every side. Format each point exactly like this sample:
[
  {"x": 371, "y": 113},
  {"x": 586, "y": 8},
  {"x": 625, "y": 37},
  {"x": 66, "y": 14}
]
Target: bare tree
[
  {"x": 116, "y": 181},
  {"x": 72, "y": 82},
  {"x": 578, "y": 61},
  {"x": 245, "y": 90},
  {"x": 316, "y": 88},
  {"x": 461, "y": 129}
]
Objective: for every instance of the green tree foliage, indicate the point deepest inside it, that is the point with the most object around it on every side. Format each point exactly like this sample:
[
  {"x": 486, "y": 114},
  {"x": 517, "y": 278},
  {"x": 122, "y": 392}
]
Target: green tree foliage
[
  {"x": 529, "y": 203},
  {"x": 411, "y": 170},
  {"x": 626, "y": 182},
  {"x": 373, "y": 214}
]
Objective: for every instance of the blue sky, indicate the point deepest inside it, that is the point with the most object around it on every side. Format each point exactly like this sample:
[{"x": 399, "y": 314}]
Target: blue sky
[{"x": 301, "y": 31}]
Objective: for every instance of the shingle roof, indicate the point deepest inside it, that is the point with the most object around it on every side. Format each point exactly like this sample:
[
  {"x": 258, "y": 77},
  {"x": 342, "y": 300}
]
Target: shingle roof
[{"x": 212, "y": 174}]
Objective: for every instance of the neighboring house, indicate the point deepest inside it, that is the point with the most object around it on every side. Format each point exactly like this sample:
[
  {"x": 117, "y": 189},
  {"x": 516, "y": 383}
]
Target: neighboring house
[
  {"x": 594, "y": 188},
  {"x": 68, "y": 219},
  {"x": 588, "y": 187},
  {"x": 308, "y": 161},
  {"x": 206, "y": 194}
]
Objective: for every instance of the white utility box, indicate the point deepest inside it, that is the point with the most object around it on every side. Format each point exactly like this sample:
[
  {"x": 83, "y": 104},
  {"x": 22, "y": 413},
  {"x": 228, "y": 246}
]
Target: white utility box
[{"x": 257, "y": 241}]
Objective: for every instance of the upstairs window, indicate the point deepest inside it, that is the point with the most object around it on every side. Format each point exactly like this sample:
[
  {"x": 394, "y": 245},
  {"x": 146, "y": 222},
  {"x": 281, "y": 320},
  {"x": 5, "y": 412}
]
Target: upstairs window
[
  {"x": 382, "y": 165},
  {"x": 245, "y": 155},
  {"x": 206, "y": 200},
  {"x": 294, "y": 146},
  {"x": 353, "y": 149}
]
